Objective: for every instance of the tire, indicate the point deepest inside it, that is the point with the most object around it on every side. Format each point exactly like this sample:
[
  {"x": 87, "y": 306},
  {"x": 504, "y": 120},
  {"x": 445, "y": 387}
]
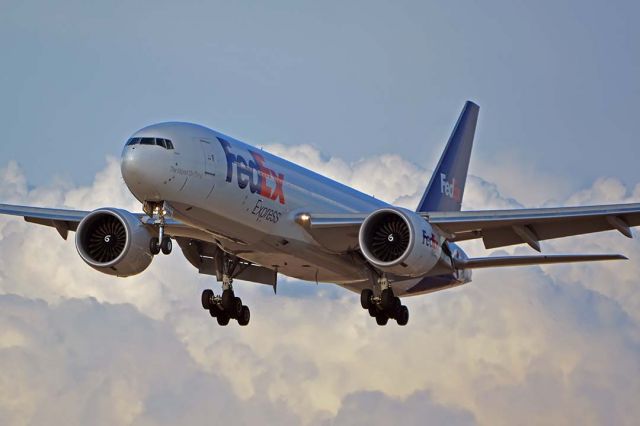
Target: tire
[
  {"x": 373, "y": 311},
  {"x": 154, "y": 246},
  {"x": 166, "y": 245},
  {"x": 365, "y": 298},
  {"x": 395, "y": 310},
  {"x": 227, "y": 299},
  {"x": 382, "y": 319},
  {"x": 245, "y": 316},
  {"x": 387, "y": 300},
  {"x": 214, "y": 311},
  {"x": 403, "y": 315},
  {"x": 223, "y": 318},
  {"x": 207, "y": 295},
  {"x": 236, "y": 308}
]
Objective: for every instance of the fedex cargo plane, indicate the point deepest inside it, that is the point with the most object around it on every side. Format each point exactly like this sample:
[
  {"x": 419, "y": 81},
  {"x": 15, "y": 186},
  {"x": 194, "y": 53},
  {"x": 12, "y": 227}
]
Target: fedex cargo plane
[{"x": 238, "y": 212}]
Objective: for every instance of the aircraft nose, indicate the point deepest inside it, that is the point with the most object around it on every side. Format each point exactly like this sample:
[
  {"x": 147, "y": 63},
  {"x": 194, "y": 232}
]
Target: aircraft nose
[{"x": 139, "y": 172}]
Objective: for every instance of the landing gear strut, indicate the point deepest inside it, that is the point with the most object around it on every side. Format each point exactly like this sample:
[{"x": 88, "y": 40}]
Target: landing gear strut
[
  {"x": 384, "y": 306},
  {"x": 162, "y": 242},
  {"x": 226, "y": 306}
]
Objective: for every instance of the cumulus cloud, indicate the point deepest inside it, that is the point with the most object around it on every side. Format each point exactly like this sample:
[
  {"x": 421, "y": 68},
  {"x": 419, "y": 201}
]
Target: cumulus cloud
[
  {"x": 84, "y": 362},
  {"x": 557, "y": 345}
]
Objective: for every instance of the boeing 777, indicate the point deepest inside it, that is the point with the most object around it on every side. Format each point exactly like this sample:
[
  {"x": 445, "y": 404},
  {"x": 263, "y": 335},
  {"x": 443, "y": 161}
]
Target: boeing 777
[{"x": 238, "y": 212}]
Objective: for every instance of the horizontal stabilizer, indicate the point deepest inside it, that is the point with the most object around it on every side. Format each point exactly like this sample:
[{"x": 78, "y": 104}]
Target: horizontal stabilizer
[{"x": 500, "y": 261}]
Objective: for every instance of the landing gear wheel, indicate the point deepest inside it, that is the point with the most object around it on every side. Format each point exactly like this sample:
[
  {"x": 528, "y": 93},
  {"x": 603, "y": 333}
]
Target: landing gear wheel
[
  {"x": 236, "y": 308},
  {"x": 154, "y": 246},
  {"x": 228, "y": 299},
  {"x": 245, "y": 316},
  {"x": 382, "y": 319},
  {"x": 402, "y": 315},
  {"x": 214, "y": 311},
  {"x": 207, "y": 296},
  {"x": 166, "y": 245},
  {"x": 373, "y": 311},
  {"x": 387, "y": 300},
  {"x": 396, "y": 307},
  {"x": 223, "y": 318},
  {"x": 365, "y": 298}
]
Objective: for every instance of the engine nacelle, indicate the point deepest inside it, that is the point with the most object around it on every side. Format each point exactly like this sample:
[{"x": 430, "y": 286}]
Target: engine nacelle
[
  {"x": 114, "y": 242},
  {"x": 399, "y": 241}
]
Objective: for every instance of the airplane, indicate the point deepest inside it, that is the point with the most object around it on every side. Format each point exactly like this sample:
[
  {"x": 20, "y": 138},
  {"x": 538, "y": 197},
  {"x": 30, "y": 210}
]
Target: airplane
[{"x": 240, "y": 213}]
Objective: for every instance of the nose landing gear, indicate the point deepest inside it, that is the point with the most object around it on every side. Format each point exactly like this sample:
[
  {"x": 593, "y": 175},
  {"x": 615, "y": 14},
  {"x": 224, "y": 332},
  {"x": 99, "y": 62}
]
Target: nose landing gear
[
  {"x": 162, "y": 242},
  {"x": 385, "y": 306}
]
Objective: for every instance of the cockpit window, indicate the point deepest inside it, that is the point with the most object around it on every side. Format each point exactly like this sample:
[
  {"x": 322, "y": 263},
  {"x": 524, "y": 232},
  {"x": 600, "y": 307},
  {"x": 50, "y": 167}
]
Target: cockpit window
[
  {"x": 165, "y": 143},
  {"x": 147, "y": 141}
]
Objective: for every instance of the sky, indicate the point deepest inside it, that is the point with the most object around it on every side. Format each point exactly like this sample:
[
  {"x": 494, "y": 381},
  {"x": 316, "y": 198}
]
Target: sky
[{"x": 363, "y": 92}]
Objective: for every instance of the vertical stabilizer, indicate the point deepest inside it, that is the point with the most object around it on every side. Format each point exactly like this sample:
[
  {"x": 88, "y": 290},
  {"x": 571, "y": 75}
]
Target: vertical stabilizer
[{"x": 446, "y": 187}]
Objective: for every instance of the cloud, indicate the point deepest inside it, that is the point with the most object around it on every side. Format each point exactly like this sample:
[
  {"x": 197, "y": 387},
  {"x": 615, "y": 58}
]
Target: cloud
[
  {"x": 84, "y": 362},
  {"x": 418, "y": 409},
  {"x": 559, "y": 344}
]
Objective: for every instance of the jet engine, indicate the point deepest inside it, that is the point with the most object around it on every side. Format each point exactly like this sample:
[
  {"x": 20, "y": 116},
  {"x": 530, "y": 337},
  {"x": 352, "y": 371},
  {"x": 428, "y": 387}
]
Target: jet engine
[
  {"x": 114, "y": 242},
  {"x": 399, "y": 241}
]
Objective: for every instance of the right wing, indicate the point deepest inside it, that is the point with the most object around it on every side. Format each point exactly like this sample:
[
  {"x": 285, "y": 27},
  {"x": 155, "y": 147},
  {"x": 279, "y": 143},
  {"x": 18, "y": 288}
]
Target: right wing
[
  {"x": 198, "y": 246},
  {"x": 502, "y": 261},
  {"x": 67, "y": 220},
  {"x": 61, "y": 219}
]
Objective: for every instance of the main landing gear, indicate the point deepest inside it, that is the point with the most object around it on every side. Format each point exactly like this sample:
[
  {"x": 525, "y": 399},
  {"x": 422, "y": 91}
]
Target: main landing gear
[
  {"x": 226, "y": 306},
  {"x": 386, "y": 306}
]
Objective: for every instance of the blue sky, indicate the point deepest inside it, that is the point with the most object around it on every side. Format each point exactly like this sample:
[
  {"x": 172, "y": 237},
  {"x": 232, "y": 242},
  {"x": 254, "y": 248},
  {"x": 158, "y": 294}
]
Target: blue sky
[
  {"x": 363, "y": 92},
  {"x": 556, "y": 81}
]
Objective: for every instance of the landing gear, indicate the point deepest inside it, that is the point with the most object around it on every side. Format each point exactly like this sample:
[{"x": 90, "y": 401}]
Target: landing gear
[
  {"x": 385, "y": 306},
  {"x": 366, "y": 298},
  {"x": 226, "y": 306},
  {"x": 166, "y": 245},
  {"x": 245, "y": 316},
  {"x": 162, "y": 242},
  {"x": 155, "y": 246}
]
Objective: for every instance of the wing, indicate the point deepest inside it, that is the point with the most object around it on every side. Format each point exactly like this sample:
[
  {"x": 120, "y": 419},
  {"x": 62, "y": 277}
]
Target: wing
[
  {"x": 498, "y": 261},
  {"x": 335, "y": 232},
  {"x": 63, "y": 220},
  {"x": 67, "y": 220},
  {"x": 499, "y": 228}
]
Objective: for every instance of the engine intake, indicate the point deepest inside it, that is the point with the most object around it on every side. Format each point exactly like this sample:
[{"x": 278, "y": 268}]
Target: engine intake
[
  {"x": 399, "y": 241},
  {"x": 114, "y": 242},
  {"x": 105, "y": 238},
  {"x": 388, "y": 236}
]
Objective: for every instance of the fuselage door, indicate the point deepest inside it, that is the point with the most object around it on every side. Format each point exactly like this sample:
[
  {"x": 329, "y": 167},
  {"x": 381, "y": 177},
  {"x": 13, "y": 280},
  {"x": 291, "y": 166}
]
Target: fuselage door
[
  {"x": 209, "y": 165},
  {"x": 209, "y": 157}
]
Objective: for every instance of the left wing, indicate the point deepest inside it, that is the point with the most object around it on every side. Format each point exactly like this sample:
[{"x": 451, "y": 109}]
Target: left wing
[{"x": 497, "y": 228}]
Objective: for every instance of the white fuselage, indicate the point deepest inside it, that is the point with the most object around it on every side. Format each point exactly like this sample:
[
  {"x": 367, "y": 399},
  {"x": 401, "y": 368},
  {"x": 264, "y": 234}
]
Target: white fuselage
[{"x": 248, "y": 200}]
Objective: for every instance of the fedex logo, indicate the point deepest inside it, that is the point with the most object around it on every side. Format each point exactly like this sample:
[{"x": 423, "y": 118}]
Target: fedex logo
[
  {"x": 260, "y": 179},
  {"x": 430, "y": 240},
  {"x": 450, "y": 189}
]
